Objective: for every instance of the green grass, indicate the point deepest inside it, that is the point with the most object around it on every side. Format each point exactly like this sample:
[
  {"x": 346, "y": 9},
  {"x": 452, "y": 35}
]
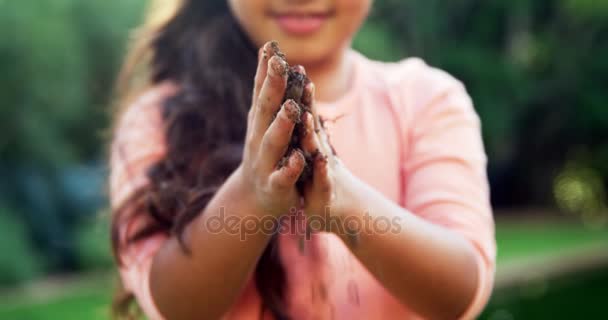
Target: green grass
[
  {"x": 76, "y": 305},
  {"x": 519, "y": 240},
  {"x": 89, "y": 298},
  {"x": 576, "y": 296}
]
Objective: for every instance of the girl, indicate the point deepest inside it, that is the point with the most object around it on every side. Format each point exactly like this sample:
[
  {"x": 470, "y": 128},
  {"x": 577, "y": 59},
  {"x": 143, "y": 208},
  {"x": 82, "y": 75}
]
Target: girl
[{"x": 402, "y": 223}]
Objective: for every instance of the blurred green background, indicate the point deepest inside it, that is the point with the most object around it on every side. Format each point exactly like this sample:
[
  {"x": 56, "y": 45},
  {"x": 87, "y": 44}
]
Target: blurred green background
[{"x": 537, "y": 71}]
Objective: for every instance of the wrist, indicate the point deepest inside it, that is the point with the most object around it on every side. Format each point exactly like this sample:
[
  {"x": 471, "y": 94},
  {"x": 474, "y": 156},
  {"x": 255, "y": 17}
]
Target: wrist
[
  {"x": 350, "y": 208},
  {"x": 349, "y": 226},
  {"x": 349, "y": 196},
  {"x": 242, "y": 194}
]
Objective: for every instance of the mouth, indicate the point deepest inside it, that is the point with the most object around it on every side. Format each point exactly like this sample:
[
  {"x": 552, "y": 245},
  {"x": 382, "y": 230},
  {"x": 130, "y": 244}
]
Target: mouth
[{"x": 301, "y": 23}]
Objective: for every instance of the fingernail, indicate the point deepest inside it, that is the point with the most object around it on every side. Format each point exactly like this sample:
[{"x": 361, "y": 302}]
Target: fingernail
[
  {"x": 276, "y": 51},
  {"x": 296, "y": 157},
  {"x": 278, "y": 67},
  {"x": 300, "y": 155},
  {"x": 321, "y": 159},
  {"x": 300, "y": 69},
  {"x": 309, "y": 93},
  {"x": 267, "y": 51},
  {"x": 307, "y": 127},
  {"x": 292, "y": 110},
  {"x": 263, "y": 55},
  {"x": 274, "y": 45},
  {"x": 308, "y": 120}
]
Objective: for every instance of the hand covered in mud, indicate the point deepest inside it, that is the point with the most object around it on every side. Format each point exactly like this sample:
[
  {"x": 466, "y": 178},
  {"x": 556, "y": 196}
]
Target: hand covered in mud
[
  {"x": 269, "y": 133},
  {"x": 287, "y": 152},
  {"x": 328, "y": 194}
]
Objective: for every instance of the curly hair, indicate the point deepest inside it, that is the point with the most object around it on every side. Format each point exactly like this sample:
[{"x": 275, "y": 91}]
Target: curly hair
[{"x": 199, "y": 46}]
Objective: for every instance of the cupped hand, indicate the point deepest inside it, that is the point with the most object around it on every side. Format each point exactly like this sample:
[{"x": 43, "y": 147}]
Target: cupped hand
[
  {"x": 331, "y": 194},
  {"x": 268, "y": 136}
]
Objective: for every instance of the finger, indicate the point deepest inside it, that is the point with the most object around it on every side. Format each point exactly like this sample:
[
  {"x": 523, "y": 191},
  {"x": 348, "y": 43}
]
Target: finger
[
  {"x": 326, "y": 145},
  {"x": 322, "y": 138},
  {"x": 321, "y": 179},
  {"x": 308, "y": 96},
  {"x": 260, "y": 74},
  {"x": 308, "y": 99},
  {"x": 287, "y": 175},
  {"x": 266, "y": 52},
  {"x": 277, "y": 137},
  {"x": 270, "y": 97},
  {"x": 310, "y": 140}
]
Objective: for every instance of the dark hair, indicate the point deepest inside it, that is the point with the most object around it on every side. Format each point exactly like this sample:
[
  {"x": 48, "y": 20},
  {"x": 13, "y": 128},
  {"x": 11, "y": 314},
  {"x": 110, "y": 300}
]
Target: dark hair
[{"x": 204, "y": 51}]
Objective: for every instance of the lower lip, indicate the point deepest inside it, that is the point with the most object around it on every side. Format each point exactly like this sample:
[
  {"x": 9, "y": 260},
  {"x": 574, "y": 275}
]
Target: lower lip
[{"x": 300, "y": 25}]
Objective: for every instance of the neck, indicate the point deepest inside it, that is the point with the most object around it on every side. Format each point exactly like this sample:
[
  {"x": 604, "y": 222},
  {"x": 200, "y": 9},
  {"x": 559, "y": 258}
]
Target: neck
[{"x": 331, "y": 77}]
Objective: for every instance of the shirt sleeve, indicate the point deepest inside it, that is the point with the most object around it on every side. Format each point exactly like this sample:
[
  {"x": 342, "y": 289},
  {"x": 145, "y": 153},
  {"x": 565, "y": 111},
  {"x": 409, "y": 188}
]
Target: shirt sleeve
[
  {"x": 445, "y": 168},
  {"x": 137, "y": 144}
]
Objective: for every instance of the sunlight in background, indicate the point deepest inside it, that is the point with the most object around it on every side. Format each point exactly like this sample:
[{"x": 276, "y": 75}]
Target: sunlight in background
[{"x": 580, "y": 191}]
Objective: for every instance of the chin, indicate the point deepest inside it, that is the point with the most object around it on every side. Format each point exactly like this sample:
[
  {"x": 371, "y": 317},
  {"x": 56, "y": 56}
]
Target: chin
[{"x": 307, "y": 51}]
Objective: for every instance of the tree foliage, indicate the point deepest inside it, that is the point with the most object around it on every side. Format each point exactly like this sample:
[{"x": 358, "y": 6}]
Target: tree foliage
[{"x": 536, "y": 69}]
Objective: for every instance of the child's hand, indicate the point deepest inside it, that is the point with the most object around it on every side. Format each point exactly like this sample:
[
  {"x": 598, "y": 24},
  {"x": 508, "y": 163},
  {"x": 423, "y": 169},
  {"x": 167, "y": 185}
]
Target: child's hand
[
  {"x": 268, "y": 137},
  {"x": 329, "y": 195}
]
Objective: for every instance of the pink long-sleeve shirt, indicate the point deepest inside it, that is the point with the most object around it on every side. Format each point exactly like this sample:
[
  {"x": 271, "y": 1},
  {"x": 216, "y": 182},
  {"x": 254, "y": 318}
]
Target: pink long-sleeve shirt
[{"x": 406, "y": 129}]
